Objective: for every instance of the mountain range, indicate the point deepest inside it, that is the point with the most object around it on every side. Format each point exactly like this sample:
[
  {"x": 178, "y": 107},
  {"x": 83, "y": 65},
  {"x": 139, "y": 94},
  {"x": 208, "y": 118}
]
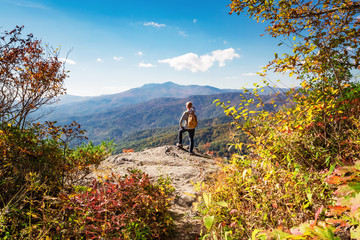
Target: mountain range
[
  {"x": 151, "y": 106},
  {"x": 75, "y": 106}
]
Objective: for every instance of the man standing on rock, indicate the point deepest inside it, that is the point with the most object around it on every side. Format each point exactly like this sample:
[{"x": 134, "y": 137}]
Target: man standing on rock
[{"x": 188, "y": 123}]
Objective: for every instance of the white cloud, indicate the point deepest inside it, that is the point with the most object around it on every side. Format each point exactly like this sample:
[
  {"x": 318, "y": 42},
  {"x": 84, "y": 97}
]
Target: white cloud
[
  {"x": 99, "y": 60},
  {"x": 182, "y": 33},
  {"x": 140, "y": 53},
  {"x": 118, "y": 58},
  {"x": 222, "y": 55},
  {"x": 249, "y": 74},
  {"x": 67, "y": 61},
  {"x": 146, "y": 65},
  {"x": 196, "y": 63},
  {"x": 195, "y": 20},
  {"x": 154, "y": 24}
]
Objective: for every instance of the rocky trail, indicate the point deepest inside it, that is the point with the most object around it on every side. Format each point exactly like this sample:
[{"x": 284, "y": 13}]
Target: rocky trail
[{"x": 183, "y": 170}]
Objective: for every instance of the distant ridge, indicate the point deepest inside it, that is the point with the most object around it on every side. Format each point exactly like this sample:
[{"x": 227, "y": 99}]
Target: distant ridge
[
  {"x": 76, "y": 106},
  {"x": 119, "y": 122},
  {"x": 151, "y": 106}
]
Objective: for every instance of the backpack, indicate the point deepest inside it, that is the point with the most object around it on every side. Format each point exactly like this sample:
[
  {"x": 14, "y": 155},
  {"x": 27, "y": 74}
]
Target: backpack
[{"x": 192, "y": 120}]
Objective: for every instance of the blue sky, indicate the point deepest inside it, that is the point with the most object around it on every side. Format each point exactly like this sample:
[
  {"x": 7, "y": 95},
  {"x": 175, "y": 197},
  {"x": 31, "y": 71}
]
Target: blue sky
[{"x": 112, "y": 46}]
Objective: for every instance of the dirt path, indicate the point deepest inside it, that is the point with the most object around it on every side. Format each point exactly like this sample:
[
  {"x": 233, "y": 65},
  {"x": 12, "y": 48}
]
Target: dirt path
[{"x": 173, "y": 162}]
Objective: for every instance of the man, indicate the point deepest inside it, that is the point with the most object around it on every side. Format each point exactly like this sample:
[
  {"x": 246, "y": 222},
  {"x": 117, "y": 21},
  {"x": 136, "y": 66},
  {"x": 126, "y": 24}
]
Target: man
[{"x": 184, "y": 127}]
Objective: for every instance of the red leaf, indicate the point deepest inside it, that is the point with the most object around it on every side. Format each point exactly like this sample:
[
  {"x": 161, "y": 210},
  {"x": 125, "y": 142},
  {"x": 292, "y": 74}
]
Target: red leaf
[
  {"x": 333, "y": 179},
  {"x": 337, "y": 210},
  {"x": 339, "y": 222}
]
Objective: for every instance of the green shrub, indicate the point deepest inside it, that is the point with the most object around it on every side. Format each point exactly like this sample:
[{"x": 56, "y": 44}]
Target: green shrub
[
  {"x": 24, "y": 152},
  {"x": 82, "y": 157}
]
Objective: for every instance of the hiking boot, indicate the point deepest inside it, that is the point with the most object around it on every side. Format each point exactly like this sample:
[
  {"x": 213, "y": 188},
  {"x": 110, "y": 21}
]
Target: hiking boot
[
  {"x": 179, "y": 145},
  {"x": 192, "y": 154}
]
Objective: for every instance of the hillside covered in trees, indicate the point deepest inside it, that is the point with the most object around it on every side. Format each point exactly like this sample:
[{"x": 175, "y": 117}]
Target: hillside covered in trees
[
  {"x": 116, "y": 121},
  {"x": 154, "y": 123}
]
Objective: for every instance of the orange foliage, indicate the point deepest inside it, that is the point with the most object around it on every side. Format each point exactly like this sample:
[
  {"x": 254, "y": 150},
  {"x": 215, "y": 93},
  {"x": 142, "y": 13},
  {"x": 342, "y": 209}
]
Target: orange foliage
[{"x": 128, "y": 150}]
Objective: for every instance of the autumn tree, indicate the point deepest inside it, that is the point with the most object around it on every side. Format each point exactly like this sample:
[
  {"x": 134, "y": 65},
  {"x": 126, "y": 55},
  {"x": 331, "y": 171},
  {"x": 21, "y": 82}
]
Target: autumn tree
[
  {"x": 323, "y": 39},
  {"x": 281, "y": 185},
  {"x": 31, "y": 76},
  {"x": 323, "y": 34}
]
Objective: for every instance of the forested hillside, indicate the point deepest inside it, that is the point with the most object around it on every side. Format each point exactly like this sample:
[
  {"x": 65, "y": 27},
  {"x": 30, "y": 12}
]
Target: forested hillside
[
  {"x": 213, "y": 136},
  {"x": 118, "y": 123}
]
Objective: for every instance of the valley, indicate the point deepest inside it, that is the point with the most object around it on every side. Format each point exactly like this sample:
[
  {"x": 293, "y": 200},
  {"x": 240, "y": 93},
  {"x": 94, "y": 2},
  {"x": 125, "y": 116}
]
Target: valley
[{"x": 148, "y": 117}]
